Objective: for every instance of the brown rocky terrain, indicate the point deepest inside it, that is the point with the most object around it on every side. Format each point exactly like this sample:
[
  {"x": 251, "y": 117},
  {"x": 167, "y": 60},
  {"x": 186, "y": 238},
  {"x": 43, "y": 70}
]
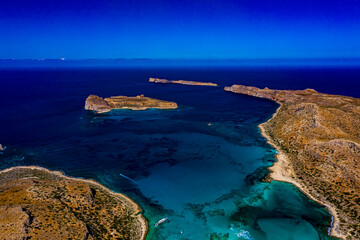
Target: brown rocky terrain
[
  {"x": 36, "y": 203},
  {"x": 317, "y": 136},
  {"x": 184, "y": 82},
  {"x": 100, "y": 105}
]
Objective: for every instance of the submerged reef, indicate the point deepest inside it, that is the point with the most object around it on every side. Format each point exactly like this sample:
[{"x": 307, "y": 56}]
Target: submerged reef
[
  {"x": 38, "y": 203},
  {"x": 184, "y": 82},
  {"x": 317, "y": 136},
  {"x": 100, "y": 105}
]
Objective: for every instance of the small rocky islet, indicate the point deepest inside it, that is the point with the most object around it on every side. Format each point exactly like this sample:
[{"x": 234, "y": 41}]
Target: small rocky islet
[
  {"x": 183, "y": 82},
  {"x": 140, "y": 102}
]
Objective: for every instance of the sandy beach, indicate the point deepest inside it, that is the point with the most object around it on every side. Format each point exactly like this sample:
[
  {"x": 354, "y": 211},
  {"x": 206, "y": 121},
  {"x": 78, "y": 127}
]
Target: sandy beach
[{"x": 284, "y": 172}]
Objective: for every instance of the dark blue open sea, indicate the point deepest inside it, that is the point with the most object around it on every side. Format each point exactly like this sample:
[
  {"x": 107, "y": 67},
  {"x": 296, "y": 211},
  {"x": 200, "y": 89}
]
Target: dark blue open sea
[{"x": 206, "y": 178}]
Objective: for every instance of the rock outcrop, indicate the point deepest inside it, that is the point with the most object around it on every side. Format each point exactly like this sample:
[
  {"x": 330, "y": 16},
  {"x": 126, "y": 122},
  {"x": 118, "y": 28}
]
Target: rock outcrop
[
  {"x": 184, "y": 82},
  {"x": 100, "y": 105},
  {"x": 318, "y": 139},
  {"x": 36, "y": 203},
  {"x": 97, "y": 104},
  {"x": 281, "y": 96}
]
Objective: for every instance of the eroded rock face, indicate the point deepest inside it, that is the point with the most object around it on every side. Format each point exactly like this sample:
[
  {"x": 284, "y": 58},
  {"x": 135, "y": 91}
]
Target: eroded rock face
[
  {"x": 97, "y": 104},
  {"x": 36, "y": 203},
  {"x": 184, "y": 82},
  {"x": 100, "y": 105},
  {"x": 281, "y": 96},
  {"x": 320, "y": 136}
]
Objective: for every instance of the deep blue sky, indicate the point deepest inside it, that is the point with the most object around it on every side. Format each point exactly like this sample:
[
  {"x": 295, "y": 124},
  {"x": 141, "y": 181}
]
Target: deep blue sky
[{"x": 79, "y": 29}]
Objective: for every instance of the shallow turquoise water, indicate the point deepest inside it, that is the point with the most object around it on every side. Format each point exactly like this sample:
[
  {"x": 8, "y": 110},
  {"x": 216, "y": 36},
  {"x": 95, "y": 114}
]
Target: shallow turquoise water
[{"x": 206, "y": 178}]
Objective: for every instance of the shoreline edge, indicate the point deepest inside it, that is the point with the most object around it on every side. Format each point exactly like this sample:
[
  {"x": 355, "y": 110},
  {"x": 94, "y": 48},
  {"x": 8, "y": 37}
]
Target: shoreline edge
[
  {"x": 136, "y": 207},
  {"x": 282, "y": 165}
]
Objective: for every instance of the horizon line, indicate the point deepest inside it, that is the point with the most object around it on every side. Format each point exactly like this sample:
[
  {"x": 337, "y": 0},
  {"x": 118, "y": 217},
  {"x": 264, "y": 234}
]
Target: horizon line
[{"x": 196, "y": 59}]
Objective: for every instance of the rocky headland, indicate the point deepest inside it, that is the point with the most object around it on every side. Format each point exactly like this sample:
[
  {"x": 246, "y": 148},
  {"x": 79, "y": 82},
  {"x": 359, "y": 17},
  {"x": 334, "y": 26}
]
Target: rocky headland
[
  {"x": 184, "y": 82},
  {"x": 317, "y": 136},
  {"x": 36, "y": 203},
  {"x": 101, "y": 105}
]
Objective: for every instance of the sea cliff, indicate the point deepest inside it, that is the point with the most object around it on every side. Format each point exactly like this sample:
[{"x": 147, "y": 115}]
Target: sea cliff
[
  {"x": 317, "y": 136},
  {"x": 101, "y": 105},
  {"x": 184, "y": 82},
  {"x": 38, "y": 203}
]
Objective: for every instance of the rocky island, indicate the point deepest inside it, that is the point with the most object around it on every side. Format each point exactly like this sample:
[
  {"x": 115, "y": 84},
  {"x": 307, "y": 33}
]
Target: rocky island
[
  {"x": 317, "y": 136},
  {"x": 36, "y": 203},
  {"x": 101, "y": 105},
  {"x": 184, "y": 82}
]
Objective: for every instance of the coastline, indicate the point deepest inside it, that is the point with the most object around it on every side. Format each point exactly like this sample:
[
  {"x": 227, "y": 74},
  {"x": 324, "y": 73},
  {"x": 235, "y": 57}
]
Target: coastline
[
  {"x": 140, "y": 217},
  {"x": 282, "y": 171}
]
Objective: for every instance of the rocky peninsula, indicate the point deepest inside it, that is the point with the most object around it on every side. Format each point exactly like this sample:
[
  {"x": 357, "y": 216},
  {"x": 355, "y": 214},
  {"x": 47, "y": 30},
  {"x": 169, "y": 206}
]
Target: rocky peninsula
[
  {"x": 36, "y": 203},
  {"x": 317, "y": 136},
  {"x": 101, "y": 105},
  {"x": 184, "y": 82}
]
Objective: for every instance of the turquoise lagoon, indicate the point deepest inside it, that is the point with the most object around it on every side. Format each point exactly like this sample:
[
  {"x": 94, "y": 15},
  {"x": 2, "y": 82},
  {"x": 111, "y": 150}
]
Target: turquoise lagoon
[{"x": 201, "y": 166}]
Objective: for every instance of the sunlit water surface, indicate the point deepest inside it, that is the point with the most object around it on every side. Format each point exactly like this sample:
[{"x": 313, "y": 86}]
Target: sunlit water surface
[{"x": 201, "y": 166}]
